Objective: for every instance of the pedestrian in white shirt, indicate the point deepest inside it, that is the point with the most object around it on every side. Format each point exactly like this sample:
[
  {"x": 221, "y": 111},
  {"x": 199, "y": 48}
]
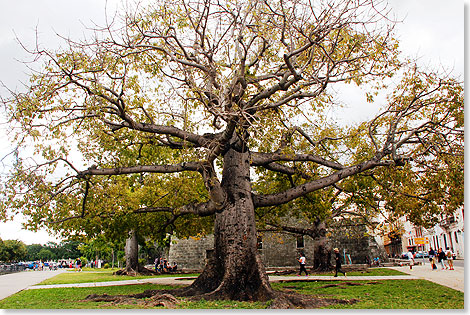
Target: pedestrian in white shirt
[{"x": 302, "y": 262}]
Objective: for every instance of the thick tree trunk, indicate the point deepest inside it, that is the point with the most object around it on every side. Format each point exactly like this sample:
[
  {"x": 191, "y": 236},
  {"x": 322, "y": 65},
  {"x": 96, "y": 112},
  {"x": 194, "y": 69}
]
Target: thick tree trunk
[
  {"x": 235, "y": 271},
  {"x": 131, "y": 251},
  {"x": 322, "y": 252}
]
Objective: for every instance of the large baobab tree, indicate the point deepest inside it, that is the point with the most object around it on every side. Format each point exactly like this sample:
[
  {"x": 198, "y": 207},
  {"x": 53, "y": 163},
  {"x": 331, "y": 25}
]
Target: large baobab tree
[{"x": 216, "y": 89}]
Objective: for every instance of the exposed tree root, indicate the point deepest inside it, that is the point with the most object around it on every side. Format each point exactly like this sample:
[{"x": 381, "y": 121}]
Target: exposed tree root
[
  {"x": 303, "y": 301},
  {"x": 348, "y": 283},
  {"x": 167, "y": 299},
  {"x": 134, "y": 272}
]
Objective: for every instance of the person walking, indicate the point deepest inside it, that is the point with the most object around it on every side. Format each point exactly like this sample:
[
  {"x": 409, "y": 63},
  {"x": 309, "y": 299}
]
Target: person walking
[
  {"x": 302, "y": 261},
  {"x": 450, "y": 258},
  {"x": 431, "y": 257},
  {"x": 441, "y": 257},
  {"x": 338, "y": 263},
  {"x": 78, "y": 264},
  {"x": 411, "y": 259}
]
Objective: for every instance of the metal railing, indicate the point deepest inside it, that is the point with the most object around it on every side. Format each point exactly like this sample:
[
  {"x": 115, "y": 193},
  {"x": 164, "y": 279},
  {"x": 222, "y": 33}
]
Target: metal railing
[{"x": 11, "y": 268}]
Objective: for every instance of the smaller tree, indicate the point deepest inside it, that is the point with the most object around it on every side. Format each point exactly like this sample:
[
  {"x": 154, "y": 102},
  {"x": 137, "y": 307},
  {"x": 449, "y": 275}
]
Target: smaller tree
[
  {"x": 32, "y": 251},
  {"x": 45, "y": 254},
  {"x": 12, "y": 250}
]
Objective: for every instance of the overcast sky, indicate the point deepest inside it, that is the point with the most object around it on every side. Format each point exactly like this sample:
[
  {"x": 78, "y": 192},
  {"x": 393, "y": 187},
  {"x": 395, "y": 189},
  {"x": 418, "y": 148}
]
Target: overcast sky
[{"x": 433, "y": 31}]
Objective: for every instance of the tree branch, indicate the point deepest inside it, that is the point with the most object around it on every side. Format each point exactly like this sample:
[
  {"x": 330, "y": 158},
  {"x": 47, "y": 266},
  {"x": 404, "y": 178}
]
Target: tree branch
[
  {"x": 298, "y": 191},
  {"x": 261, "y": 159}
]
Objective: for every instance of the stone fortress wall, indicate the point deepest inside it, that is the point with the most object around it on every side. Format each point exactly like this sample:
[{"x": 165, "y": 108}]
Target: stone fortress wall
[{"x": 279, "y": 249}]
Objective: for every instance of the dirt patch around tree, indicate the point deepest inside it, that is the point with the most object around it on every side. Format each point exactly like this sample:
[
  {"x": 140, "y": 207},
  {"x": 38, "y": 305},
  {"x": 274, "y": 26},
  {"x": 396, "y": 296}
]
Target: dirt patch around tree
[
  {"x": 348, "y": 283},
  {"x": 169, "y": 299}
]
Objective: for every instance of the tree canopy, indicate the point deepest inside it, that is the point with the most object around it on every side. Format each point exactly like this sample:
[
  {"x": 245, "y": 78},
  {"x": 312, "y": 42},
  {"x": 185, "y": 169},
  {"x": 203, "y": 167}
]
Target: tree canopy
[
  {"x": 12, "y": 250},
  {"x": 190, "y": 109}
]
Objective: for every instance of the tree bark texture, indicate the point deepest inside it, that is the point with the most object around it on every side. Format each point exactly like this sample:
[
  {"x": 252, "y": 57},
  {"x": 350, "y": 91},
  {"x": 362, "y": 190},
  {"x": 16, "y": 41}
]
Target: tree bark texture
[
  {"x": 322, "y": 252},
  {"x": 132, "y": 252},
  {"x": 235, "y": 271}
]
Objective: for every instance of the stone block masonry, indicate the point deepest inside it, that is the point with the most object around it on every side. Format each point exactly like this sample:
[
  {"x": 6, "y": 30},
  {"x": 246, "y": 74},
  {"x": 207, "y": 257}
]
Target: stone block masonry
[
  {"x": 277, "y": 250},
  {"x": 191, "y": 253}
]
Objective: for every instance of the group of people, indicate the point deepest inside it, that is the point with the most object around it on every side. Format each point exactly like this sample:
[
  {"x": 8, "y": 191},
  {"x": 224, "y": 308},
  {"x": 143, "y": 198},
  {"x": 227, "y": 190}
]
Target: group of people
[
  {"x": 444, "y": 258},
  {"x": 162, "y": 265},
  {"x": 39, "y": 266},
  {"x": 302, "y": 261}
]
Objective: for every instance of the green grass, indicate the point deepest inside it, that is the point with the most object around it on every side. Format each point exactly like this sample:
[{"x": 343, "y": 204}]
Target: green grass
[
  {"x": 71, "y": 298},
  {"x": 99, "y": 276},
  {"x": 383, "y": 294},
  {"x": 388, "y": 294},
  {"x": 370, "y": 272},
  {"x": 103, "y": 275}
]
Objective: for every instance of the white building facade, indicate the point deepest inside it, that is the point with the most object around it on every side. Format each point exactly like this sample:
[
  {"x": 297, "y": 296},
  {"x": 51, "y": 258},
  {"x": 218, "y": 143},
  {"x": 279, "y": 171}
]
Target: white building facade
[{"x": 449, "y": 233}]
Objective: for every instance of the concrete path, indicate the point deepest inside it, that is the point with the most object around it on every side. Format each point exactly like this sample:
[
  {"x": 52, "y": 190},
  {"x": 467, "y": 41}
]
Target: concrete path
[
  {"x": 189, "y": 280},
  {"x": 15, "y": 282},
  {"x": 454, "y": 279}
]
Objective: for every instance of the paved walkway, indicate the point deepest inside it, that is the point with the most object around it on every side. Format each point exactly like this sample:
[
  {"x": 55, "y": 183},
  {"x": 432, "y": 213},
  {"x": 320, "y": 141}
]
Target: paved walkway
[
  {"x": 454, "y": 279},
  {"x": 189, "y": 280},
  {"x": 15, "y": 282}
]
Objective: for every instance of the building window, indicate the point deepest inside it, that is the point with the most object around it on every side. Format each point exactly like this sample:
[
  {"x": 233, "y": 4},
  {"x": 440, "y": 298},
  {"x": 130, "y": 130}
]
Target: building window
[
  {"x": 300, "y": 241},
  {"x": 456, "y": 237},
  {"x": 419, "y": 232}
]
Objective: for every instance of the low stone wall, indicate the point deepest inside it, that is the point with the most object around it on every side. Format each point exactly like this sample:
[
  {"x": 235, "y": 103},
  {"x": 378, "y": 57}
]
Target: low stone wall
[
  {"x": 276, "y": 250},
  {"x": 11, "y": 268},
  {"x": 191, "y": 253},
  {"x": 282, "y": 250}
]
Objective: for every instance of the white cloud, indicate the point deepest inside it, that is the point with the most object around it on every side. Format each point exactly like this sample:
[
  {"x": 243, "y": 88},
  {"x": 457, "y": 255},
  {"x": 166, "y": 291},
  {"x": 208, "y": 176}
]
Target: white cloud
[
  {"x": 13, "y": 230},
  {"x": 431, "y": 31}
]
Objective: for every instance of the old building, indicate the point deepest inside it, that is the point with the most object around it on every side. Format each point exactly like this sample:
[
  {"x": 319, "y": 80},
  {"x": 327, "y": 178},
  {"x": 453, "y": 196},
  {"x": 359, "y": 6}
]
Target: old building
[
  {"x": 282, "y": 249},
  {"x": 276, "y": 250}
]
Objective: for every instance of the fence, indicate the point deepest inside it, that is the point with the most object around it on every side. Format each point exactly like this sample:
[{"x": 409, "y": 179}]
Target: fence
[{"x": 11, "y": 268}]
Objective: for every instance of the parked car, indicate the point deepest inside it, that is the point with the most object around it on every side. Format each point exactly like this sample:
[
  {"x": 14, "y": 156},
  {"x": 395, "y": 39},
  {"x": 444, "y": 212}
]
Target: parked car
[
  {"x": 29, "y": 264},
  {"x": 422, "y": 254}
]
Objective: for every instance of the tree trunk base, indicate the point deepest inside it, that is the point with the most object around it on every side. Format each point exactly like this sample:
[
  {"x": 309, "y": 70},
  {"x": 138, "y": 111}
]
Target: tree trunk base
[
  {"x": 223, "y": 293},
  {"x": 140, "y": 270}
]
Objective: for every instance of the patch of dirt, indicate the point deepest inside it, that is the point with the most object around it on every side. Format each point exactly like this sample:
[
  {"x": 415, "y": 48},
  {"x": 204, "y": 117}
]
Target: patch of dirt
[
  {"x": 303, "y": 301},
  {"x": 142, "y": 271},
  {"x": 165, "y": 298},
  {"x": 139, "y": 272},
  {"x": 348, "y": 283}
]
